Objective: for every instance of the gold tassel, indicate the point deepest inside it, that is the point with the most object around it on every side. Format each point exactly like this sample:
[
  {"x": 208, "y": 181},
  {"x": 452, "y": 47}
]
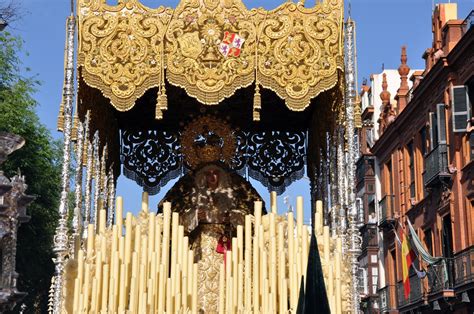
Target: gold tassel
[
  {"x": 256, "y": 115},
  {"x": 60, "y": 124},
  {"x": 163, "y": 101},
  {"x": 158, "y": 111},
  {"x": 257, "y": 103}
]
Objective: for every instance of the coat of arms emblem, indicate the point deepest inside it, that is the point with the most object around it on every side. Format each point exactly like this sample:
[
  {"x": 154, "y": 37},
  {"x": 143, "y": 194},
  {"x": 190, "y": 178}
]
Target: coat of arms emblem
[{"x": 231, "y": 45}]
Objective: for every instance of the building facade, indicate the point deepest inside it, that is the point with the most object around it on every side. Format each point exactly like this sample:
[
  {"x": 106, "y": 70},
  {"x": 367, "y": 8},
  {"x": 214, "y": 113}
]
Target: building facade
[
  {"x": 423, "y": 160},
  {"x": 367, "y": 185}
]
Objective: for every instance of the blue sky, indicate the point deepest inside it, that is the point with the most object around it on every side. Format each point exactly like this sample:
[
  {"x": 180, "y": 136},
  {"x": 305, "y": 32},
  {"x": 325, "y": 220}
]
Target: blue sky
[{"x": 383, "y": 26}]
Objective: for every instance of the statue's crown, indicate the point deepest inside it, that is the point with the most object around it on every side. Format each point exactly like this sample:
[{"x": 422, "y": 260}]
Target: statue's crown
[{"x": 207, "y": 139}]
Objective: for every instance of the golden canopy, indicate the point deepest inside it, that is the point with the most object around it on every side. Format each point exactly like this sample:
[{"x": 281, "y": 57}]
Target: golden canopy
[{"x": 126, "y": 49}]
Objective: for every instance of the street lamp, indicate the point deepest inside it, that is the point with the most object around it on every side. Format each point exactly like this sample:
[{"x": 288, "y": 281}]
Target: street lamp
[{"x": 3, "y": 23}]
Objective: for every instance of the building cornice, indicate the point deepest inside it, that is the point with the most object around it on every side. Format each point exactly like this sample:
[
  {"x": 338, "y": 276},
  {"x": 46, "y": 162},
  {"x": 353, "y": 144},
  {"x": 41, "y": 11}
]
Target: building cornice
[{"x": 438, "y": 72}]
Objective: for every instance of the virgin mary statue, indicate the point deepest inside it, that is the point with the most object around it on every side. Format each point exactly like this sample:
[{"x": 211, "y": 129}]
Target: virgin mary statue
[{"x": 212, "y": 201}]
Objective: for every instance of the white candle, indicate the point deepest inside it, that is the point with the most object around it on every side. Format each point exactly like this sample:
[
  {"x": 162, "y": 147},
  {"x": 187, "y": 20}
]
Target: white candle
[
  {"x": 258, "y": 213},
  {"x": 221, "y": 288},
  {"x": 273, "y": 202},
  {"x": 145, "y": 201},
  {"x": 119, "y": 214}
]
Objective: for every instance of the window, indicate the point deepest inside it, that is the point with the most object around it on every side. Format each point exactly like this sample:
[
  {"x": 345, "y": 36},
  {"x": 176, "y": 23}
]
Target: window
[
  {"x": 447, "y": 237},
  {"x": 371, "y": 208},
  {"x": 388, "y": 179},
  {"x": 438, "y": 126},
  {"x": 423, "y": 142},
  {"x": 411, "y": 166},
  {"x": 370, "y": 188},
  {"x": 433, "y": 130},
  {"x": 429, "y": 240},
  {"x": 375, "y": 279}
]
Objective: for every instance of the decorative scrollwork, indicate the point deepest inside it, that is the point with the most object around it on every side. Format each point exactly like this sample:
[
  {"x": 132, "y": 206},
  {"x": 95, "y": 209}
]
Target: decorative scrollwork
[
  {"x": 293, "y": 50},
  {"x": 120, "y": 49},
  {"x": 192, "y": 48},
  {"x": 151, "y": 158},
  {"x": 276, "y": 159},
  {"x": 299, "y": 51}
]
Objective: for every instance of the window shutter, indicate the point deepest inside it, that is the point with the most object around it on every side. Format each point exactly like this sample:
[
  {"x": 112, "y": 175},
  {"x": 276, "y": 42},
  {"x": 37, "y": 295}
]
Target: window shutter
[
  {"x": 460, "y": 105},
  {"x": 441, "y": 113}
]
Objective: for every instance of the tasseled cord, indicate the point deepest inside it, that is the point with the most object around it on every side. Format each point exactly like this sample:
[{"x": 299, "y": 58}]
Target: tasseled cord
[
  {"x": 257, "y": 97},
  {"x": 162, "y": 98},
  {"x": 257, "y": 102}
]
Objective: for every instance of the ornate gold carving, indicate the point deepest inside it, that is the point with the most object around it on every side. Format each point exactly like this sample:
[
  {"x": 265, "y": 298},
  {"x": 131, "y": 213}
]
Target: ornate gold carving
[
  {"x": 190, "y": 45},
  {"x": 299, "y": 50},
  {"x": 207, "y": 74},
  {"x": 120, "y": 48},
  {"x": 209, "y": 262}
]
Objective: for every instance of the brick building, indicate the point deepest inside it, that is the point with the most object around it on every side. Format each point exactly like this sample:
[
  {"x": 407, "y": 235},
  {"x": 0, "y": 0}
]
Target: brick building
[
  {"x": 366, "y": 184},
  {"x": 423, "y": 170}
]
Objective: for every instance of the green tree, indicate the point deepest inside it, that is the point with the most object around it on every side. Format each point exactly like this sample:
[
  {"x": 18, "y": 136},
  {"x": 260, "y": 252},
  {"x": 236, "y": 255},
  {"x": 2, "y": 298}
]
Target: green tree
[{"x": 39, "y": 160}]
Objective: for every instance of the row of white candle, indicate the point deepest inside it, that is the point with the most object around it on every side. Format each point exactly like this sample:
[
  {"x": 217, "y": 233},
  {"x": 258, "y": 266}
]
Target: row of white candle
[
  {"x": 136, "y": 272},
  {"x": 265, "y": 274},
  {"x": 150, "y": 268}
]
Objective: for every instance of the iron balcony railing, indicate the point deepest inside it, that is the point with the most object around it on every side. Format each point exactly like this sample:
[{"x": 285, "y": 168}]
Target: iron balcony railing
[
  {"x": 440, "y": 277},
  {"x": 386, "y": 209},
  {"x": 385, "y": 294},
  {"x": 416, "y": 292},
  {"x": 464, "y": 268},
  {"x": 436, "y": 164}
]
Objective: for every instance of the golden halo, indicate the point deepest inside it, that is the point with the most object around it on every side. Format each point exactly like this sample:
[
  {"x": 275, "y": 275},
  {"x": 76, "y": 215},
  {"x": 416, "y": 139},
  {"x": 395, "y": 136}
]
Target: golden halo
[{"x": 200, "y": 127}]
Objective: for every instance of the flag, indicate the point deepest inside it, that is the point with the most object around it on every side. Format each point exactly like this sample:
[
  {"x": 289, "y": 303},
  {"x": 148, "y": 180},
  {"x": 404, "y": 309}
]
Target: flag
[
  {"x": 408, "y": 256},
  {"x": 231, "y": 45},
  {"x": 421, "y": 273}
]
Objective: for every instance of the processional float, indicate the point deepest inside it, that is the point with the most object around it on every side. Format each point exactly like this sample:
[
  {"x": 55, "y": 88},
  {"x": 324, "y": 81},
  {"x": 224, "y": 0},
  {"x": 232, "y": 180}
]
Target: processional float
[{"x": 212, "y": 93}]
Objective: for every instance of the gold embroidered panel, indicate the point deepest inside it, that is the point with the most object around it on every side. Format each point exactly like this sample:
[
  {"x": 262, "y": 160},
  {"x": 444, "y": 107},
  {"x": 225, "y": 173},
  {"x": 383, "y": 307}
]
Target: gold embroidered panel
[{"x": 211, "y": 48}]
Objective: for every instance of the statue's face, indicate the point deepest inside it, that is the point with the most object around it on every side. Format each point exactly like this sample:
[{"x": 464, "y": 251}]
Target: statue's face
[{"x": 212, "y": 178}]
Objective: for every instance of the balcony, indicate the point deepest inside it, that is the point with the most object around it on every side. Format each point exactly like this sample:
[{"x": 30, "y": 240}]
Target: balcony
[
  {"x": 385, "y": 297},
  {"x": 369, "y": 236},
  {"x": 363, "y": 166},
  {"x": 440, "y": 279},
  {"x": 386, "y": 211},
  {"x": 464, "y": 268},
  {"x": 436, "y": 165},
  {"x": 416, "y": 292}
]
